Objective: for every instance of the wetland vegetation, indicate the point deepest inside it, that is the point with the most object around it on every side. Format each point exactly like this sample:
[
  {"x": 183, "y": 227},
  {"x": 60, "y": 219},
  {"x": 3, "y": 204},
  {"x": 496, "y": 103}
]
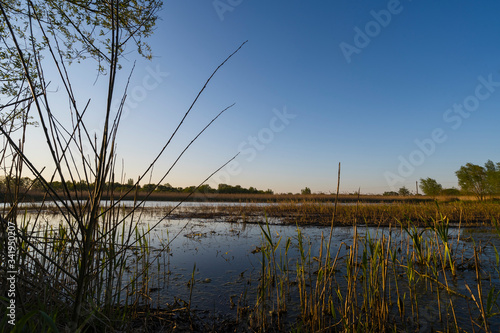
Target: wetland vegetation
[
  {"x": 252, "y": 267},
  {"x": 80, "y": 254},
  {"x": 311, "y": 263}
]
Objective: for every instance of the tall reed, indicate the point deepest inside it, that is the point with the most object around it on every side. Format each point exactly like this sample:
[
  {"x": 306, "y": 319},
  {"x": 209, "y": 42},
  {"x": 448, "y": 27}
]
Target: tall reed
[
  {"x": 93, "y": 268},
  {"x": 388, "y": 279}
]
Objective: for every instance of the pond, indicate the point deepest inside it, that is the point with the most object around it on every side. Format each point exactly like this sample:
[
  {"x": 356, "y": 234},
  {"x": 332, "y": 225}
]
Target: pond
[{"x": 218, "y": 267}]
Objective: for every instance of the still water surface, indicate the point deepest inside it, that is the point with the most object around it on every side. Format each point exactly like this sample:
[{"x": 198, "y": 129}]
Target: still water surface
[{"x": 227, "y": 262}]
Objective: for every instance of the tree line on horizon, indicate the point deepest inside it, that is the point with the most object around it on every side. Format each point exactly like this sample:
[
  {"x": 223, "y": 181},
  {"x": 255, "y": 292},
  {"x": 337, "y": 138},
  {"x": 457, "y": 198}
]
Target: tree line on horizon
[
  {"x": 473, "y": 179},
  {"x": 27, "y": 184}
]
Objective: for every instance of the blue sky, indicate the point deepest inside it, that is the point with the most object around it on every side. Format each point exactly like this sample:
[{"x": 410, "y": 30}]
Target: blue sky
[{"x": 303, "y": 103}]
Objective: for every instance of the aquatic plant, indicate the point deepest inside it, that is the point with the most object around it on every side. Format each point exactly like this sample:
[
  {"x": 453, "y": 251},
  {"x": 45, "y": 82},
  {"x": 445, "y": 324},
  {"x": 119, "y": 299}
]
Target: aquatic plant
[
  {"x": 94, "y": 268},
  {"x": 378, "y": 282}
]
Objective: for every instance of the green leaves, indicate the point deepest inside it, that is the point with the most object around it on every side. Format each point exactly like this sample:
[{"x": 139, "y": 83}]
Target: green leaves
[
  {"x": 430, "y": 186},
  {"x": 480, "y": 180},
  {"x": 73, "y": 30}
]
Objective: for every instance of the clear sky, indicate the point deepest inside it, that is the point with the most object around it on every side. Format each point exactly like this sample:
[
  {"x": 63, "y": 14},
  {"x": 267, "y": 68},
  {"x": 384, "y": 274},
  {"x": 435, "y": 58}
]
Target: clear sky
[{"x": 394, "y": 90}]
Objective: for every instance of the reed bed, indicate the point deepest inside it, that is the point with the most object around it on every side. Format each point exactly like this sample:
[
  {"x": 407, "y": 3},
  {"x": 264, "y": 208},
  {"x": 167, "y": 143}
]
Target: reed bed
[
  {"x": 37, "y": 195},
  {"x": 121, "y": 275},
  {"x": 319, "y": 213},
  {"x": 474, "y": 213},
  {"x": 408, "y": 276},
  {"x": 94, "y": 270},
  {"x": 404, "y": 279}
]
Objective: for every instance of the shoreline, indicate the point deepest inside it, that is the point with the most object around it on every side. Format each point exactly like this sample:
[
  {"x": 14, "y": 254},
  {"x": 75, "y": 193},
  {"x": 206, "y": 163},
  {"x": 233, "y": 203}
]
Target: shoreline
[
  {"x": 38, "y": 196},
  {"x": 317, "y": 213}
]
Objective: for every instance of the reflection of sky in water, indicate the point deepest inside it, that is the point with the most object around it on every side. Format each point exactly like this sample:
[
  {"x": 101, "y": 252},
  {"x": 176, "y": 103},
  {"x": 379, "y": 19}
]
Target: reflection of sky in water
[{"x": 226, "y": 266}]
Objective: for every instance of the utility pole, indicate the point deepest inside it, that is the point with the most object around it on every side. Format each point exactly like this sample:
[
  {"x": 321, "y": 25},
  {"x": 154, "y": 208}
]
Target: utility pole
[{"x": 416, "y": 184}]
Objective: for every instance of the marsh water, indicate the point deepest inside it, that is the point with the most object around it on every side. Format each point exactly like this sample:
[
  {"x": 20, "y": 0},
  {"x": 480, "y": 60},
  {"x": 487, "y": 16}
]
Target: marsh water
[{"x": 216, "y": 265}]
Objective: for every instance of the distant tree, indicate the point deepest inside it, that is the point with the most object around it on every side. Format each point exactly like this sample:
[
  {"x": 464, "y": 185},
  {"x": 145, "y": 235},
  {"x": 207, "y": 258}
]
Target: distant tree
[
  {"x": 450, "y": 191},
  {"x": 149, "y": 187},
  {"x": 224, "y": 188},
  {"x": 306, "y": 190},
  {"x": 390, "y": 193},
  {"x": 162, "y": 188},
  {"x": 205, "y": 188},
  {"x": 130, "y": 182},
  {"x": 472, "y": 178},
  {"x": 492, "y": 177},
  {"x": 167, "y": 188},
  {"x": 37, "y": 185},
  {"x": 404, "y": 191},
  {"x": 189, "y": 189},
  {"x": 56, "y": 185},
  {"x": 25, "y": 183},
  {"x": 8, "y": 183},
  {"x": 430, "y": 186}
]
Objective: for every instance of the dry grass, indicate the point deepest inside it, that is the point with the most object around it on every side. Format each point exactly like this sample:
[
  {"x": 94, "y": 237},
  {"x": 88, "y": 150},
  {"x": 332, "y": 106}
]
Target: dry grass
[
  {"x": 224, "y": 197},
  {"x": 382, "y": 282},
  {"x": 472, "y": 213}
]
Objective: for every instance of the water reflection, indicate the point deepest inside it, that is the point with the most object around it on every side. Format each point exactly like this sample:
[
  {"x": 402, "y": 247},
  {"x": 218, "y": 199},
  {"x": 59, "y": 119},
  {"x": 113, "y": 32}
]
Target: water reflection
[{"x": 226, "y": 258}]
